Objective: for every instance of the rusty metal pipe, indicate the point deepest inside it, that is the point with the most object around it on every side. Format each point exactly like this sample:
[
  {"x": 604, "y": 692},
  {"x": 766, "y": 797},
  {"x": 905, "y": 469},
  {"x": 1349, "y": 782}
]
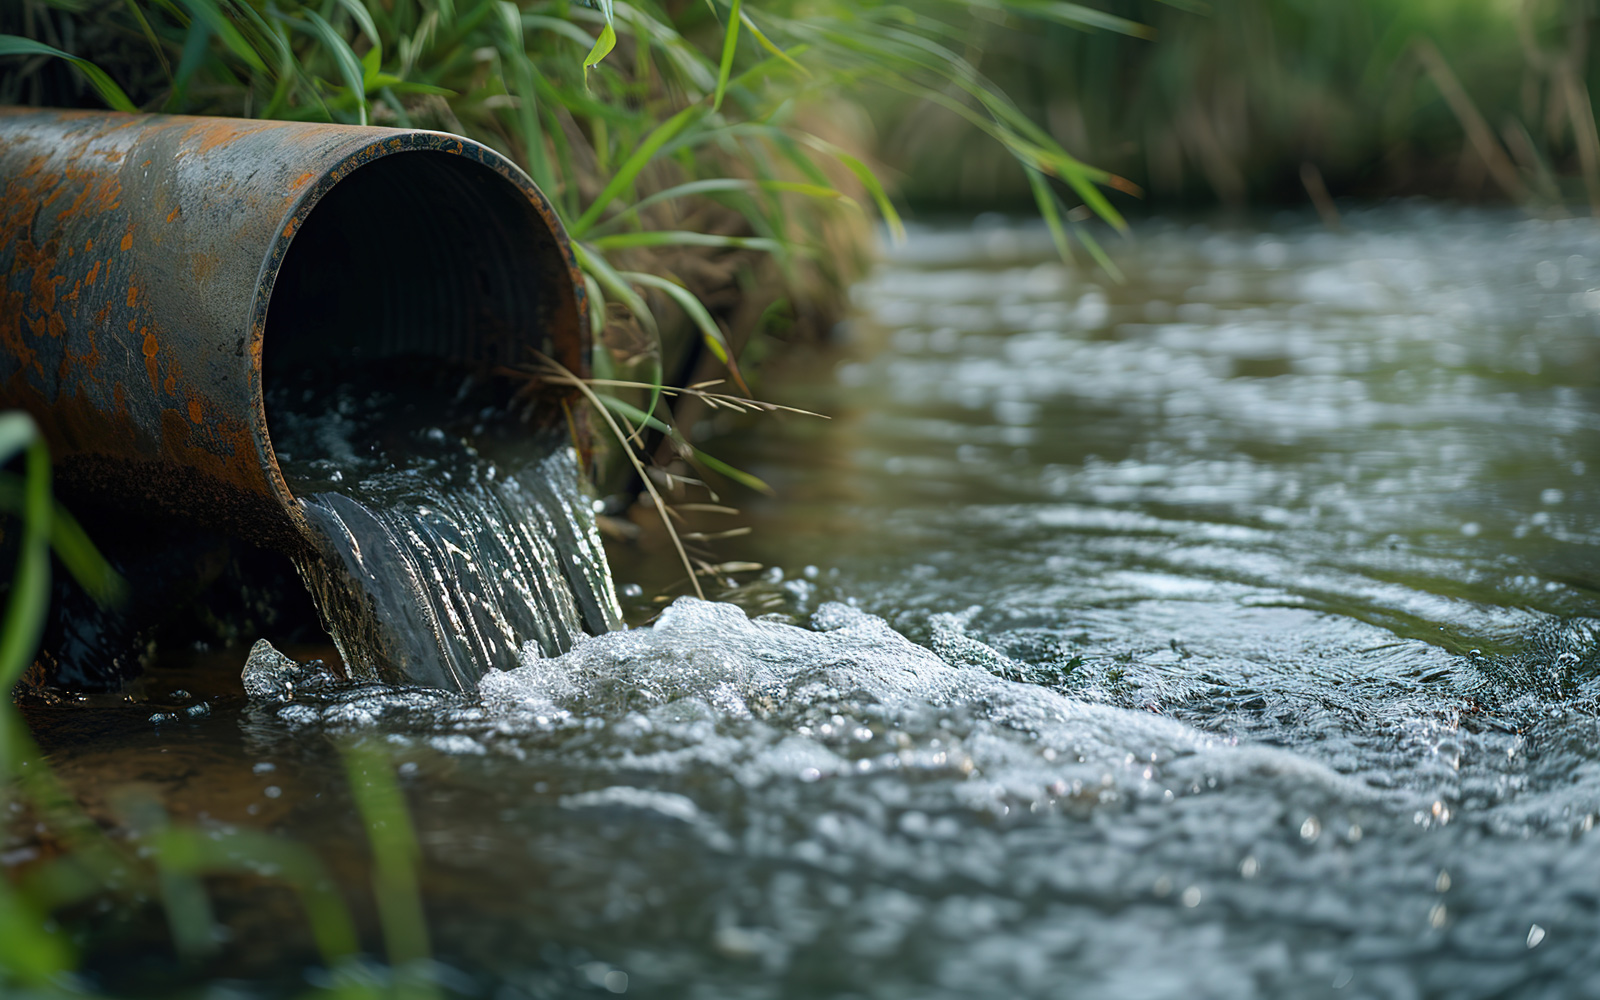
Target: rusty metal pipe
[{"x": 156, "y": 271}]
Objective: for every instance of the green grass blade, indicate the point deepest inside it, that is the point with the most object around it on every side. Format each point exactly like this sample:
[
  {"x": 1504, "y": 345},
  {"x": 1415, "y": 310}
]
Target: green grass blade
[
  {"x": 602, "y": 48},
  {"x": 363, "y": 18},
  {"x": 643, "y": 419},
  {"x": 248, "y": 852},
  {"x": 730, "y": 42},
  {"x": 737, "y": 475},
  {"x": 513, "y": 49},
  {"x": 27, "y": 951},
  {"x": 636, "y": 161},
  {"x": 683, "y": 238},
  {"x": 869, "y": 180},
  {"x": 1078, "y": 16},
  {"x": 395, "y": 855},
  {"x": 13, "y": 45},
  {"x": 564, "y": 28},
  {"x": 710, "y": 332},
  {"x": 1093, "y": 246},
  {"x": 719, "y": 185},
  {"x": 349, "y": 66},
  {"x": 224, "y": 28},
  {"x": 30, "y": 582},
  {"x": 1051, "y": 212},
  {"x": 617, "y": 287},
  {"x": 70, "y": 543},
  {"x": 767, "y": 43}
]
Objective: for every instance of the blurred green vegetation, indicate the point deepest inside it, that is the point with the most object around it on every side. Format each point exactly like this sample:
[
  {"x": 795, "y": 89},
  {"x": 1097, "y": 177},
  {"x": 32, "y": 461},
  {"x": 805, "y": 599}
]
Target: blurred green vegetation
[
  {"x": 74, "y": 861},
  {"x": 1257, "y": 101}
]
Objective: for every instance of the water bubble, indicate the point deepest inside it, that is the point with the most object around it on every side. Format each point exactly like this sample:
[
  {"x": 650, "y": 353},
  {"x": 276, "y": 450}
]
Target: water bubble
[
  {"x": 1438, "y": 915},
  {"x": 1551, "y": 497},
  {"x": 272, "y": 791},
  {"x": 1547, "y": 273},
  {"x": 1471, "y": 529},
  {"x": 1535, "y": 935},
  {"x": 1249, "y": 867},
  {"x": 632, "y": 590},
  {"x": 737, "y": 942},
  {"x": 1191, "y": 897},
  {"x": 1311, "y": 829},
  {"x": 1442, "y": 883}
]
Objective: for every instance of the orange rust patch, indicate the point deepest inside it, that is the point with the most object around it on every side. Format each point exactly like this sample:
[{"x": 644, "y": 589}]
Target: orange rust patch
[
  {"x": 300, "y": 181},
  {"x": 196, "y": 411},
  {"x": 127, "y": 241},
  {"x": 89, "y": 246},
  {"x": 44, "y": 285},
  {"x": 133, "y": 295},
  {"x": 204, "y": 265},
  {"x": 288, "y": 231},
  {"x": 94, "y": 272},
  {"x": 150, "y": 349},
  {"x": 172, "y": 216}
]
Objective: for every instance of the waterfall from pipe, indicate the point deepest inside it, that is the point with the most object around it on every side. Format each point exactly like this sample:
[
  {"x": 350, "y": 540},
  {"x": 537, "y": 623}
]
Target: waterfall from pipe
[{"x": 448, "y": 533}]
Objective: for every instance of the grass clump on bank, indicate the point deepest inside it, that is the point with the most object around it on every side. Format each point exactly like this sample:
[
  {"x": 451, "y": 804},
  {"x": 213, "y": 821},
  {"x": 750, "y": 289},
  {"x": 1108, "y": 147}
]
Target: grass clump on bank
[{"x": 708, "y": 159}]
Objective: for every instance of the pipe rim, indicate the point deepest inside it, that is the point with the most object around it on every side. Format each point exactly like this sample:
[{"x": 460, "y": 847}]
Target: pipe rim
[{"x": 391, "y": 143}]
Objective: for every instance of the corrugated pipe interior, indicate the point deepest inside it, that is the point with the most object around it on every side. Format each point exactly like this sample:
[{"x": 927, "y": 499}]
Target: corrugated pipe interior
[{"x": 157, "y": 273}]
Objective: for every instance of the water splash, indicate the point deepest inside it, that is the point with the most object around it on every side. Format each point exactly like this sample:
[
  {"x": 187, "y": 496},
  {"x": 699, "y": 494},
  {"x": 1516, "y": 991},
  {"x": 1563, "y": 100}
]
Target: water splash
[{"x": 442, "y": 547}]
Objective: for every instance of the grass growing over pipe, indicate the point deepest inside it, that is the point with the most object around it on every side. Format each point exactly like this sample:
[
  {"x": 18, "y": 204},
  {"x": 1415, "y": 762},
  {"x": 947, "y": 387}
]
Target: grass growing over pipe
[{"x": 696, "y": 151}]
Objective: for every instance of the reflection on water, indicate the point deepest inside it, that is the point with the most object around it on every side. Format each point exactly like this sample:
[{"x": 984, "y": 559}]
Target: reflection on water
[{"x": 1254, "y": 615}]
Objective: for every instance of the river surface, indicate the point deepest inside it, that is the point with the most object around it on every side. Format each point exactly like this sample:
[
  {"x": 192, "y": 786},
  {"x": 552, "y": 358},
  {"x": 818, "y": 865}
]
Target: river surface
[{"x": 1227, "y": 632}]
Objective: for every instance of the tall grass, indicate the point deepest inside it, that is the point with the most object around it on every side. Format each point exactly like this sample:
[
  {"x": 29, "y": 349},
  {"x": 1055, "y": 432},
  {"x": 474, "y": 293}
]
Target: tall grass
[
  {"x": 695, "y": 125},
  {"x": 1233, "y": 102},
  {"x": 704, "y": 156}
]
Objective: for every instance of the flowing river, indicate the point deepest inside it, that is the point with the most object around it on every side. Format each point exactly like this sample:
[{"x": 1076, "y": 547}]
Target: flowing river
[{"x": 1226, "y": 632}]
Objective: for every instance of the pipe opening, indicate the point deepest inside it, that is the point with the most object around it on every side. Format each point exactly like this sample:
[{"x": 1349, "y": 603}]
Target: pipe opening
[{"x": 420, "y": 256}]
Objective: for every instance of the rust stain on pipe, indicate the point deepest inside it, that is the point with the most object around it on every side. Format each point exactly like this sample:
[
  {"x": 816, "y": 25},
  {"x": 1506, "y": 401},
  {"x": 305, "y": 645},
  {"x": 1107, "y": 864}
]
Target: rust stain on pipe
[{"x": 140, "y": 291}]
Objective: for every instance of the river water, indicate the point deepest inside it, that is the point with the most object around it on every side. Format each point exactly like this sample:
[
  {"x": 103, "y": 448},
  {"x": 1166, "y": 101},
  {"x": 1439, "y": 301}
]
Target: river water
[{"x": 1229, "y": 631}]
